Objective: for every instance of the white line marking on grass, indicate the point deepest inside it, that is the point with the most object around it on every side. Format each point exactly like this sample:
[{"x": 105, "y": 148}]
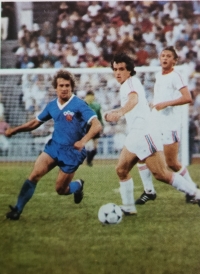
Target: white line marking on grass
[
  {"x": 46, "y": 193},
  {"x": 116, "y": 190}
]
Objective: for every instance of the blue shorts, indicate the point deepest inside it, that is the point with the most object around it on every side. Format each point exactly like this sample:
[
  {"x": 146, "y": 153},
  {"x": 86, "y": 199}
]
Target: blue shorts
[{"x": 66, "y": 157}]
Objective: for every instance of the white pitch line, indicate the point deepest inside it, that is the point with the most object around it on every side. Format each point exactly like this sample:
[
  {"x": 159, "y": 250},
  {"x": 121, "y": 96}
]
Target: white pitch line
[{"x": 116, "y": 190}]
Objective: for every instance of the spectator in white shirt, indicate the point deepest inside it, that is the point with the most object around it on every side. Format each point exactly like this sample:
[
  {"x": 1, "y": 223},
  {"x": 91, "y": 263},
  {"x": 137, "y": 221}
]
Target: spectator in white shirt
[
  {"x": 94, "y": 9},
  {"x": 92, "y": 48},
  {"x": 177, "y": 29},
  {"x": 126, "y": 28},
  {"x": 171, "y": 9},
  {"x": 148, "y": 36}
]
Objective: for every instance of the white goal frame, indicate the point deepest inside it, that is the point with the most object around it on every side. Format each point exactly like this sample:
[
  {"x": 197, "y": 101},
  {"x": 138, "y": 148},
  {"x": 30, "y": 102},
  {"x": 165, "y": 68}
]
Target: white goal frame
[{"x": 184, "y": 147}]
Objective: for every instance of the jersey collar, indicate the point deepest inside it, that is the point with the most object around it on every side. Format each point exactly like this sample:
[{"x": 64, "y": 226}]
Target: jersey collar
[
  {"x": 168, "y": 71},
  {"x": 64, "y": 105}
]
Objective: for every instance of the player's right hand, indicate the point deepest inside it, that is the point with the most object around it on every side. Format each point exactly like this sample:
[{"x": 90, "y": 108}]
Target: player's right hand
[
  {"x": 112, "y": 116},
  {"x": 9, "y": 132}
]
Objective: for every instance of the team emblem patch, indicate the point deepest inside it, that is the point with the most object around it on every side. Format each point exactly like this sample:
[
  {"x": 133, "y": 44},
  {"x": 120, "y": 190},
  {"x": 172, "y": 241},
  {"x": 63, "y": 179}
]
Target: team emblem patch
[{"x": 68, "y": 115}]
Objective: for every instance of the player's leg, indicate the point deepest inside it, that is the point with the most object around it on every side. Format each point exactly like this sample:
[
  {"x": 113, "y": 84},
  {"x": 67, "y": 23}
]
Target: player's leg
[
  {"x": 65, "y": 186},
  {"x": 157, "y": 164},
  {"x": 43, "y": 165},
  {"x": 69, "y": 161},
  {"x": 151, "y": 144},
  {"x": 125, "y": 163},
  {"x": 96, "y": 140},
  {"x": 91, "y": 151},
  {"x": 149, "y": 193},
  {"x": 171, "y": 156}
]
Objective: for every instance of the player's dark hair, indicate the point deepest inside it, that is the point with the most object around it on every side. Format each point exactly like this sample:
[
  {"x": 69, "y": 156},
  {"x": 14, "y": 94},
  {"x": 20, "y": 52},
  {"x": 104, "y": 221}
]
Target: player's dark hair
[
  {"x": 65, "y": 75},
  {"x": 90, "y": 92},
  {"x": 170, "y": 48},
  {"x": 124, "y": 58}
]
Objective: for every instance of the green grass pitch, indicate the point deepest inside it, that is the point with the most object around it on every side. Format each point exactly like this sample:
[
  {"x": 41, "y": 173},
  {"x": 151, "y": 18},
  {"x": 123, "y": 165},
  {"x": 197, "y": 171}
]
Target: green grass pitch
[{"x": 56, "y": 236}]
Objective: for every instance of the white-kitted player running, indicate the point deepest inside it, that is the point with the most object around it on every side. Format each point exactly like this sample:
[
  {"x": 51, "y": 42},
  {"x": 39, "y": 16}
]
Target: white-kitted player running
[
  {"x": 170, "y": 93},
  {"x": 143, "y": 141}
]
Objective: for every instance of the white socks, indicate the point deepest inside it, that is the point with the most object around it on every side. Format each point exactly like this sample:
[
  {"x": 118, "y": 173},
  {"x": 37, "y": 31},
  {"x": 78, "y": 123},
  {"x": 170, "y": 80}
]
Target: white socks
[
  {"x": 126, "y": 191},
  {"x": 181, "y": 184},
  {"x": 146, "y": 178},
  {"x": 147, "y": 181},
  {"x": 184, "y": 172}
]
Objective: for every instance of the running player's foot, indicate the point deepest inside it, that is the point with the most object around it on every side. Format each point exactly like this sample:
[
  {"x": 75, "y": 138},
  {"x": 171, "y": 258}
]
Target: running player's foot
[
  {"x": 197, "y": 197},
  {"x": 190, "y": 199},
  {"x": 145, "y": 198},
  {"x": 129, "y": 210},
  {"x": 78, "y": 195},
  {"x": 14, "y": 214}
]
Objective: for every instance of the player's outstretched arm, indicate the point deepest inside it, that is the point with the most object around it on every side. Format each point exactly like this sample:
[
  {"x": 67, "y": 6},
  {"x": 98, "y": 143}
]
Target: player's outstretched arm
[
  {"x": 95, "y": 128},
  {"x": 115, "y": 115},
  {"x": 29, "y": 126}
]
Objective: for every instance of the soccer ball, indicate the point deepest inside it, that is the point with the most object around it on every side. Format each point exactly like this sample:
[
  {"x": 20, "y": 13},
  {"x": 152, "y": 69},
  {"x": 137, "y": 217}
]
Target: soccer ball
[{"x": 110, "y": 214}]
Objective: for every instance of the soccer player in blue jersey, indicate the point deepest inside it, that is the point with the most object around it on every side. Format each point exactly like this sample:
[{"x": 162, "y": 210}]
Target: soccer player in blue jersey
[{"x": 75, "y": 123}]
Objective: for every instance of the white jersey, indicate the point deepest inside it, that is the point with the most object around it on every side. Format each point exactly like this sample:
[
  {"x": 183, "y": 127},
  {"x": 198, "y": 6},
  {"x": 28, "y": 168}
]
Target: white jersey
[
  {"x": 142, "y": 139},
  {"x": 138, "y": 117},
  {"x": 167, "y": 88}
]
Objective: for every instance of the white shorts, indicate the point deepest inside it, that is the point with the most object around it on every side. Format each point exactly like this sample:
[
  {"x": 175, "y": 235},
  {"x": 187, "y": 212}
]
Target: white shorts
[
  {"x": 169, "y": 130},
  {"x": 169, "y": 137},
  {"x": 143, "y": 144}
]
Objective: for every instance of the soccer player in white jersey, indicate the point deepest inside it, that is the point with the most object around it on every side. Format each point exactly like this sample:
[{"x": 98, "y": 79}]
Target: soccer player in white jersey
[
  {"x": 75, "y": 123},
  {"x": 170, "y": 92},
  {"x": 142, "y": 142}
]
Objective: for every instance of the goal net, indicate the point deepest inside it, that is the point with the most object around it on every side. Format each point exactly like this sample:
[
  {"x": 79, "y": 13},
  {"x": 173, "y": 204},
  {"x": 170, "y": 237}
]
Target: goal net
[{"x": 24, "y": 93}]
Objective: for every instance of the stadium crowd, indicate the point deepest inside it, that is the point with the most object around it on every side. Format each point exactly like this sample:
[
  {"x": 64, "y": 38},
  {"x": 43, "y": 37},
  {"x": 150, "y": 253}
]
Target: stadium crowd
[{"x": 88, "y": 33}]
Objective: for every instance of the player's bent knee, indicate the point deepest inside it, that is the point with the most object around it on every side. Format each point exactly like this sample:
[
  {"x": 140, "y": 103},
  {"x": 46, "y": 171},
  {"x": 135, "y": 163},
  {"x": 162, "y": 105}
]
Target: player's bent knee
[
  {"x": 121, "y": 172},
  {"x": 174, "y": 166}
]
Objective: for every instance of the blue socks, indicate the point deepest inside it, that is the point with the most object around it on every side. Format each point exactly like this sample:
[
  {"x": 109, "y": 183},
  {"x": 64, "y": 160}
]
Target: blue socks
[
  {"x": 25, "y": 194},
  {"x": 28, "y": 189},
  {"x": 73, "y": 187}
]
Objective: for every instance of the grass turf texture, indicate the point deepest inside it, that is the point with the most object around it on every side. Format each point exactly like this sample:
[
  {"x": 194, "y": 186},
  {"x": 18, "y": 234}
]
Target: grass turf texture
[{"x": 56, "y": 236}]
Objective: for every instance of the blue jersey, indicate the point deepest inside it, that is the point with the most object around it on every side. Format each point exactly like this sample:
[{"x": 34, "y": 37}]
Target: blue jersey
[{"x": 70, "y": 120}]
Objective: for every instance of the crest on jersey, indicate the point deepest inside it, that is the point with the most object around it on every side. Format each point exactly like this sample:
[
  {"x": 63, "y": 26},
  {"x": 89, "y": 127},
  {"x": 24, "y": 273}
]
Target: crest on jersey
[{"x": 68, "y": 115}]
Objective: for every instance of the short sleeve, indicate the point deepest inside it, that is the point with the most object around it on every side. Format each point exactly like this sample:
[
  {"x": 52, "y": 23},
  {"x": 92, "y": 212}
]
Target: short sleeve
[
  {"x": 44, "y": 115},
  {"x": 179, "y": 82}
]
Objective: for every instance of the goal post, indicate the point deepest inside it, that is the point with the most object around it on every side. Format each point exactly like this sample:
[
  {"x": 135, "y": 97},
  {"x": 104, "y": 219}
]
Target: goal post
[{"x": 24, "y": 92}]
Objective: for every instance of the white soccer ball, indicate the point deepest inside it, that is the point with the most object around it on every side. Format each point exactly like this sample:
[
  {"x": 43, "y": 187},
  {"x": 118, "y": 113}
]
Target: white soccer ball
[{"x": 110, "y": 214}]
